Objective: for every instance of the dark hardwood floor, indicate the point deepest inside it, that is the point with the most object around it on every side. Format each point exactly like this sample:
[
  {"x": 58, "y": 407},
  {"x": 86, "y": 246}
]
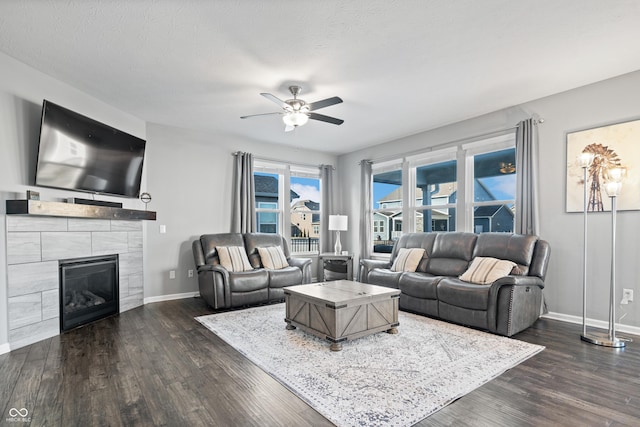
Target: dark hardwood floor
[{"x": 155, "y": 365}]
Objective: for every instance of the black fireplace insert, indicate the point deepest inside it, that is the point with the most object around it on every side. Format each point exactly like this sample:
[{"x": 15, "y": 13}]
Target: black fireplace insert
[{"x": 89, "y": 290}]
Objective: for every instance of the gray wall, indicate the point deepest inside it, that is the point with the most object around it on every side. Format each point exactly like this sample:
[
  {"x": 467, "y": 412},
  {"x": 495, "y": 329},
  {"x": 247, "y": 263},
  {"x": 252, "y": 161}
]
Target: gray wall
[
  {"x": 22, "y": 90},
  {"x": 611, "y": 101},
  {"x": 190, "y": 177}
]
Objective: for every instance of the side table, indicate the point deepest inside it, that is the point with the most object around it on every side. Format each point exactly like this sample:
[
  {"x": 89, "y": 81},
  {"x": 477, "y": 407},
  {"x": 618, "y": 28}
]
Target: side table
[{"x": 330, "y": 256}]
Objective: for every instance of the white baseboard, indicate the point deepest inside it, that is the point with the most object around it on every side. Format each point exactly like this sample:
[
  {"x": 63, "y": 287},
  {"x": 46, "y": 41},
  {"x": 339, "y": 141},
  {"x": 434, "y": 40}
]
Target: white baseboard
[
  {"x": 592, "y": 322},
  {"x": 171, "y": 297},
  {"x": 5, "y": 348}
]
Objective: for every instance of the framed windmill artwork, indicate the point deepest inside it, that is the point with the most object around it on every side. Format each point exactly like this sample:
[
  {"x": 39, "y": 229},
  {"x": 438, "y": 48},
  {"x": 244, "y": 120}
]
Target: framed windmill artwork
[{"x": 612, "y": 145}]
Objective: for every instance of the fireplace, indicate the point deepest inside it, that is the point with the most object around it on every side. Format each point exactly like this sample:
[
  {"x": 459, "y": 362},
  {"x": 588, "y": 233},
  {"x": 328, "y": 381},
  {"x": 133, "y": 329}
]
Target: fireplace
[{"x": 88, "y": 290}]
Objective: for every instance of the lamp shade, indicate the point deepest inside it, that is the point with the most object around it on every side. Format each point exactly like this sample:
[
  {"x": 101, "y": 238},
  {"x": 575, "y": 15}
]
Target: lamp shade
[
  {"x": 613, "y": 188},
  {"x": 615, "y": 173},
  {"x": 585, "y": 159},
  {"x": 295, "y": 118},
  {"x": 338, "y": 222}
]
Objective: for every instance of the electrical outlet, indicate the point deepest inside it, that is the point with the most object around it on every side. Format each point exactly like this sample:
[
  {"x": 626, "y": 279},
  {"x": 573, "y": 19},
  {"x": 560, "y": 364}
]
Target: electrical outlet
[
  {"x": 172, "y": 274},
  {"x": 190, "y": 273},
  {"x": 627, "y": 295}
]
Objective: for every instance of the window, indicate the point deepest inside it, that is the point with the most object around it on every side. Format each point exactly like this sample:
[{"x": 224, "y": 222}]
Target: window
[
  {"x": 268, "y": 211},
  {"x": 267, "y": 214},
  {"x": 436, "y": 191},
  {"x": 298, "y": 212},
  {"x": 470, "y": 187},
  {"x": 494, "y": 191},
  {"x": 387, "y": 206},
  {"x": 305, "y": 211}
]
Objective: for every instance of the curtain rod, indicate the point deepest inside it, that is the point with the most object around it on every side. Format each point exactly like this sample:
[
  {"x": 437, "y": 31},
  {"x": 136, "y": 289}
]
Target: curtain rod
[
  {"x": 267, "y": 159},
  {"x": 497, "y": 132}
]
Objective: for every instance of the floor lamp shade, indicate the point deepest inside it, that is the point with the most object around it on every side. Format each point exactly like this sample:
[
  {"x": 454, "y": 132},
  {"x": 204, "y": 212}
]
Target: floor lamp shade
[{"x": 338, "y": 223}]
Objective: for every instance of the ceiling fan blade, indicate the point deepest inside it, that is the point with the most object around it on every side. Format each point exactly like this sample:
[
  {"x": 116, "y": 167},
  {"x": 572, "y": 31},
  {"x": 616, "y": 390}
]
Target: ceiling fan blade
[
  {"x": 276, "y": 100},
  {"x": 262, "y": 114},
  {"x": 324, "y": 103},
  {"x": 323, "y": 118}
]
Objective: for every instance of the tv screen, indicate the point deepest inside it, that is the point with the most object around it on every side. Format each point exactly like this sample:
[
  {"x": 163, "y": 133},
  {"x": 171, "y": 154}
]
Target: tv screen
[{"x": 82, "y": 154}]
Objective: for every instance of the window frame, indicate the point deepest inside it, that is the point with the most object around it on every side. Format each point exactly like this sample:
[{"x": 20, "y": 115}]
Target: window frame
[
  {"x": 463, "y": 152},
  {"x": 376, "y": 169},
  {"x": 284, "y": 212},
  {"x": 471, "y": 150},
  {"x": 433, "y": 158}
]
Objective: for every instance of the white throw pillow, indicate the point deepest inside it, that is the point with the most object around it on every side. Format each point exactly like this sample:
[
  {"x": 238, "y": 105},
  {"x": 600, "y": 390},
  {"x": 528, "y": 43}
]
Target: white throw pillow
[
  {"x": 485, "y": 270},
  {"x": 234, "y": 258},
  {"x": 273, "y": 258},
  {"x": 408, "y": 259}
]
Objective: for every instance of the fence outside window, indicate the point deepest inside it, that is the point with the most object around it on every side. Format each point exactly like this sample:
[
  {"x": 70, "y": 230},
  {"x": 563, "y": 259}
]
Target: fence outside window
[{"x": 305, "y": 244}]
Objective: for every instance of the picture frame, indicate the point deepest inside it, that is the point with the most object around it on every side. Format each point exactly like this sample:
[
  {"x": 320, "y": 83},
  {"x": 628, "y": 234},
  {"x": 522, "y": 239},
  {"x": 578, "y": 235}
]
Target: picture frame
[{"x": 617, "y": 143}]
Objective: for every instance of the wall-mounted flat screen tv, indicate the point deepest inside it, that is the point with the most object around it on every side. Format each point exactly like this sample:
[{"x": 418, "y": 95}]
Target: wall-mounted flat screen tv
[{"x": 82, "y": 154}]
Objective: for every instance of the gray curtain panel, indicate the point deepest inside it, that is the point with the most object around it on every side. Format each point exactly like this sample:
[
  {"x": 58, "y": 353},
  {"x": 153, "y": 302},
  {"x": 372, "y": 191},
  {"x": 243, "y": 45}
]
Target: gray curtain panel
[
  {"x": 365, "y": 209},
  {"x": 326, "y": 207},
  {"x": 527, "y": 217},
  {"x": 243, "y": 216}
]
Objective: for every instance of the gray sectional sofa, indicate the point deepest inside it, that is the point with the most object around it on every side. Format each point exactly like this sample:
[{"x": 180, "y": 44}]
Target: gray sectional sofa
[
  {"x": 506, "y": 306},
  {"x": 221, "y": 288}
]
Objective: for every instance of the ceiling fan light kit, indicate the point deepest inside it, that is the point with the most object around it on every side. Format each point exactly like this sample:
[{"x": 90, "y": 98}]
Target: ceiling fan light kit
[
  {"x": 298, "y": 112},
  {"x": 295, "y": 118}
]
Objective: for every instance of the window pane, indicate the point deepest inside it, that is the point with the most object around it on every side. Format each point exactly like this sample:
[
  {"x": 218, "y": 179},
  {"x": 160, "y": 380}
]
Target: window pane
[
  {"x": 495, "y": 176},
  {"x": 305, "y": 214},
  {"x": 387, "y": 204},
  {"x": 493, "y": 218},
  {"x": 267, "y": 222},
  {"x": 443, "y": 219},
  {"x": 266, "y": 187},
  {"x": 436, "y": 185}
]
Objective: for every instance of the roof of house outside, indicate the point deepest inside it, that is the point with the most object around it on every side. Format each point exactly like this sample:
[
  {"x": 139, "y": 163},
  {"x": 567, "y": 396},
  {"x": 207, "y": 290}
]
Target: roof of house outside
[
  {"x": 489, "y": 211},
  {"x": 267, "y": 186}
]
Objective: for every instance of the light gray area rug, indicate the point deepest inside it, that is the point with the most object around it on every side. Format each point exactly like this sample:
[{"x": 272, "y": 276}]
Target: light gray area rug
[{"x": 380, "y": 380}]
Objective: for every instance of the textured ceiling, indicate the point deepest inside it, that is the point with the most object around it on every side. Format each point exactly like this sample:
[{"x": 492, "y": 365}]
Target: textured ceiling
[{"x": 401, "y": 67}]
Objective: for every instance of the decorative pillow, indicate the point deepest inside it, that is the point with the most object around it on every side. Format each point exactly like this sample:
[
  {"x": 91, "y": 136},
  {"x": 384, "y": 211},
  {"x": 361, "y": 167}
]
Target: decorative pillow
[
  {"x": 408, "y": 259},
  {"x": 485, "y": 270},
  {"x": 234, "y": 258},
  {"x": 273, "y": 258}
]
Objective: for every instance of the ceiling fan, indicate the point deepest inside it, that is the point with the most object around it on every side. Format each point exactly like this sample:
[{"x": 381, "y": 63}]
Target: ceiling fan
[{"x": 297, "y": 112}]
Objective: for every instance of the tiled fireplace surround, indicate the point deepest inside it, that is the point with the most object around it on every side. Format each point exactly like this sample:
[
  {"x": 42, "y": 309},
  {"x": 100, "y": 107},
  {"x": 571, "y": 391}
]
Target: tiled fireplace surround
[{"x": 34, "y": 246}]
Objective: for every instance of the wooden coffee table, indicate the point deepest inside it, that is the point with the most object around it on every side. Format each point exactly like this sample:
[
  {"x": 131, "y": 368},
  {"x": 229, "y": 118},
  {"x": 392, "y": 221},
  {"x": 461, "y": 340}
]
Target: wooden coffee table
[{"x": 341, "y": 310}]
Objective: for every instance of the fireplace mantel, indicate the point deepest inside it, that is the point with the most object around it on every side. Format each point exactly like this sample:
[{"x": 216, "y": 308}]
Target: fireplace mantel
[{"x": 71, "y": 210}]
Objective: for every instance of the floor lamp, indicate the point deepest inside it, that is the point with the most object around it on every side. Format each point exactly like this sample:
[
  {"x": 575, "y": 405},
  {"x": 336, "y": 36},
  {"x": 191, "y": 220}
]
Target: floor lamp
[
  {"x": 585, "y": 160},
  {"x": 613, "y": 186}
]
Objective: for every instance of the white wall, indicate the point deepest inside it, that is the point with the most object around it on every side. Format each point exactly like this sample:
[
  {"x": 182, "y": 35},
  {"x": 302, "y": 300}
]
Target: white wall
[
  {"x": 22, "y": 90},
  {"x": 190, "y": 177},
  {"x": 611, "y": 101}
]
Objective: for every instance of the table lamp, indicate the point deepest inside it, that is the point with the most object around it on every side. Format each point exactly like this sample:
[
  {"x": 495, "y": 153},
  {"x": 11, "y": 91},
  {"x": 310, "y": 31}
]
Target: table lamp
[{"x": 338, "y": 223}]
